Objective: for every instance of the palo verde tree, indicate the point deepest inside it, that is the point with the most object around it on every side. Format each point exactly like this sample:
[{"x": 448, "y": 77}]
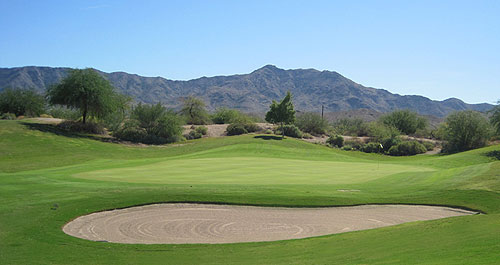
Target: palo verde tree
[
  {"x": 21, "y": 102},
  {"x": 281, "y": 113},
  {"x": 87, "y": 91},
  {"x": 406, "y": 121},
  {"x": 194, "y": 110}
]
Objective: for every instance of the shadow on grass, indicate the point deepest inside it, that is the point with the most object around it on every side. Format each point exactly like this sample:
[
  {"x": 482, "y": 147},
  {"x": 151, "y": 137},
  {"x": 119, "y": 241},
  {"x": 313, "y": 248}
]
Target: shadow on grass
[
  {"x": 52, "y": 128},
  {"x": 268, "y": 137}
]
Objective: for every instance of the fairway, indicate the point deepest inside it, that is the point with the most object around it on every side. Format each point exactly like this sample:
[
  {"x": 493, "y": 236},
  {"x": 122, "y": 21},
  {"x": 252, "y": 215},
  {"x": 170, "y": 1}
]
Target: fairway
[
  {"x": 251, "y": 170},
  {"x": 49, "y": 179}
]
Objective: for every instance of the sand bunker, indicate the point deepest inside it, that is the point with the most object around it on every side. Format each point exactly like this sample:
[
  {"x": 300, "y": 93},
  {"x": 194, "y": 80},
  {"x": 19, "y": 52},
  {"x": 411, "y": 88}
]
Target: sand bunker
[{"x": 180, "y": 223}]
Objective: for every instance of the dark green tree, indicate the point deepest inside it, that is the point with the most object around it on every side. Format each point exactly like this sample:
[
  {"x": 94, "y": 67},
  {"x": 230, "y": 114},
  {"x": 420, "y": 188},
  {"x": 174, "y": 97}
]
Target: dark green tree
[
  {"x": 465, "y": 130},
  {"x": 87, "y": 91},
  {"x": 406, "y": 121},
  {"x": 281, "y": 113},
  {"x": 194, "y": 110},
  {"x": 495, "y": 117},
  {"x": 21, "y": 102}
]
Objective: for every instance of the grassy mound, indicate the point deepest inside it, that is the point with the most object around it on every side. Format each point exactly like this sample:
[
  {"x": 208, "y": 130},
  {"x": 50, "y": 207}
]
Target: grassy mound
[{"x": 48, "y": 178}]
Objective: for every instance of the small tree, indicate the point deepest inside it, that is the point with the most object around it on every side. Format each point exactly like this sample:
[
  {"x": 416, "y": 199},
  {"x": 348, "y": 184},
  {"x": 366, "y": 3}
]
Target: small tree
[
  {"x": 282, "y": 113},
  {"x": 87, "y": 91},
  {"x": 405, "y": 121},
  {"x": 21, "y": 102},
  {"x": 465, "y": 130},
  {"x": 495, "y": 117},
  {"x": 194, "y": 110}
]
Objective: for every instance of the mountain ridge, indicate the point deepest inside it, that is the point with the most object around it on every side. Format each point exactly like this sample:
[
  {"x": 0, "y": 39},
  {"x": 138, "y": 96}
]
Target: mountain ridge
[{"x": 252, "y": 92}]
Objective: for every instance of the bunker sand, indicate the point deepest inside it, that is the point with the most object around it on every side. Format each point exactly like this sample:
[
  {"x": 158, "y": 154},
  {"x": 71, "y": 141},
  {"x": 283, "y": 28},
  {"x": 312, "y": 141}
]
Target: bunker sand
[{"x": 184, "y": 223}]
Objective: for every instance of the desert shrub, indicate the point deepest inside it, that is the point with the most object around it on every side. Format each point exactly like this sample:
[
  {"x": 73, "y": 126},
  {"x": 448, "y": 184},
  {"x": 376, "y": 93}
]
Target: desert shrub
[
  {"x": 193, "y": 135},
  {"x": 151, "y": 124},
  {"x": 312, "y": 123},
  {"x": 194, "y": 111},
  {"x": 201, "y": 130},
  {"x": 8, "y": 116},
  {"x": 61, "y": 112},
  {"x": 407, "y": 148},
  {"x": 252, "y": 127},
  {"x": 388, "y": 136},
  {"x": 268, "y": 131},
  {"x": 78, "y": 127},
  {"x": 353, "y": 127},
  {"x": 22, "y": 102},
  {"x": 228, "y": 116},
  {"x": 289, "y": 130},
  {"x": 405, "y": 121},
  {"x": 236, "y": 129},
  {"x": 307, "y": 136},
  {"x": 347, "y": 148},
  {"x": 429, "y": 146},
  {"x": 465, "y": 130},
  {"x": 335, "y": 141},
  {"x": 372, "y": 147},
  {"x": 355, "y": 145}
]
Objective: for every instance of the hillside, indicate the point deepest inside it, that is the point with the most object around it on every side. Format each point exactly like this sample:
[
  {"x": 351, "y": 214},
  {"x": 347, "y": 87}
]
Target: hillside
[{"x": 251, "y": 92}]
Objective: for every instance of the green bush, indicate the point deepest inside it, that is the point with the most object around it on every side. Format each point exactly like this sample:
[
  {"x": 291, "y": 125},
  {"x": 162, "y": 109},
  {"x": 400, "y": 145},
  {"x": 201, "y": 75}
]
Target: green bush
[
  {"x": 194, "y": 135},
  {"x": 405, "y": 121},
  {"x": 236, "y": 129},
  {"x": 353, "y": 127},
  {"x": 355, "y": 145},
  {"x": 78, "y": 127},
  {"x": 347, "y": 148},
  {"x": 268, "y": 131},
  {"x": 429, "y": 146},
  {"x": 22, "y": 102},
  {"x": 307, "y": 136},
  {"x": 61, "y": 112},
  {"x": 290, "y": 130},
  {"x": 312, "y": 123},
  {"x": 407, "y": 148},
  {"x": 465, "y": 130},
  {"x": 201, "y": 130},
  {"x": 335, "y": 141},
  {"x": 151, "y": 124},
  {"x": 252, "y": 127},
  {"x": 8, "y": 116},
  {"x": 228, "y": 116},
  {"x": 372, "y": 147}
]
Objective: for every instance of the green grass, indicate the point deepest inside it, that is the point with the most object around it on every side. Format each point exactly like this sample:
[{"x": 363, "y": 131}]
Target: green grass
[{"x": 40, "y": 167}]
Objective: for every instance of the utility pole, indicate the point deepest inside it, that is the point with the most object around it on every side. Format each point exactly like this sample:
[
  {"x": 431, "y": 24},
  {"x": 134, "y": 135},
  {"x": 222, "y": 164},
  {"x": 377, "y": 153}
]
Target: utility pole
[{"x": 322, "y": 108}]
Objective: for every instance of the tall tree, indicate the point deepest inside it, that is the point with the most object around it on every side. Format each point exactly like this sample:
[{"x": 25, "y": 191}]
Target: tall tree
[
  {"x": 86, "y": 90},
  {"x": 405, "y": 121},
  {"x": 282, "y": 113}
]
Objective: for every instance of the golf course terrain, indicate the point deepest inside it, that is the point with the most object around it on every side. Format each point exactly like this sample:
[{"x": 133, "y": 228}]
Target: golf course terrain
[{"x": 49, "y": 178}]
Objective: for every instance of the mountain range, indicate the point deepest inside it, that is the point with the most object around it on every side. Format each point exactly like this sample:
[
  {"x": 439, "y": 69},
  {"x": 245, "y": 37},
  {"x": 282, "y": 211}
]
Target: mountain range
[{"x": 251, "y": 92}]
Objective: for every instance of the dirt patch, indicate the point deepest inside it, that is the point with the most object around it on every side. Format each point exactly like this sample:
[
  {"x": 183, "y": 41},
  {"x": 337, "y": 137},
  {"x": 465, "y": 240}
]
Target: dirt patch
[{"x": 181, "y": 223}]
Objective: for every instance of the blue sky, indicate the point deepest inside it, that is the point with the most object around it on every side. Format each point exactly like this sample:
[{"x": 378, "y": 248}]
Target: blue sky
[{"x": 438, "y": 49}]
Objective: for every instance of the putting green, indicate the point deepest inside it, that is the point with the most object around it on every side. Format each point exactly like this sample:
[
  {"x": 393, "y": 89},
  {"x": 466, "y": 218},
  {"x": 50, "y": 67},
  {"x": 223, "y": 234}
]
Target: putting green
[{"x": 250, "y": 170}]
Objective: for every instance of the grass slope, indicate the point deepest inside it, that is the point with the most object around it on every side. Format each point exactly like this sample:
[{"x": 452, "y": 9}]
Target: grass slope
[{"x": 40, "y": 167}]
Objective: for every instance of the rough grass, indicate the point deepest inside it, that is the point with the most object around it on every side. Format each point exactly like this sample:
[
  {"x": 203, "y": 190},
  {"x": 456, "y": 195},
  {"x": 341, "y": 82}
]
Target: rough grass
[{"x": 47, "y": 179}]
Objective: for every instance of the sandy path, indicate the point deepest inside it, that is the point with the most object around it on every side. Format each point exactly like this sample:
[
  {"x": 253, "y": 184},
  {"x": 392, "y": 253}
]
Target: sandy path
[{"x": 205, "y": 223}]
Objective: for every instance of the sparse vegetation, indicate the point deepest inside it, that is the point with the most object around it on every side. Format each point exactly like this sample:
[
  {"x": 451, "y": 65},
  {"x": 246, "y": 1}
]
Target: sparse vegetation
[
  {"x": 194, "y": 111},
  {"x": 335, "y": 141}
]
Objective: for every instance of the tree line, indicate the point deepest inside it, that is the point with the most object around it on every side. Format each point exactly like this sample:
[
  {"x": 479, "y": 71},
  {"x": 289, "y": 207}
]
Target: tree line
[{"x": 89, "y": 102}]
